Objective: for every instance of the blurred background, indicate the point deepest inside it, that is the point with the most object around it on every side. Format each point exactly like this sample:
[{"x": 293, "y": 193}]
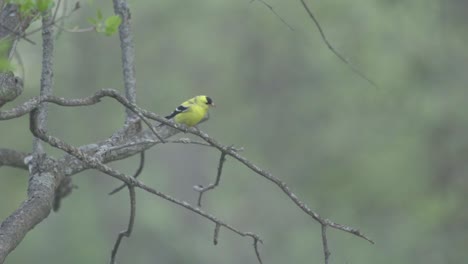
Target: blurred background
[{"x": 390, "y": 161}]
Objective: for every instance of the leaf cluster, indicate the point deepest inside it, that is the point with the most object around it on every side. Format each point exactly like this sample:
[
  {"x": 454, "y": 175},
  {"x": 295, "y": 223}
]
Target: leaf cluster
[
  {"x": 107, "y": 26},
  {"x": 31, "y": 7}
]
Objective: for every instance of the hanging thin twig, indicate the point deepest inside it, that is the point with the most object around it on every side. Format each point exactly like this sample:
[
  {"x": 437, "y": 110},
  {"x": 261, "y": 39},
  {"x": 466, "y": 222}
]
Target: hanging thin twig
[{"x": 332, "y": 49}]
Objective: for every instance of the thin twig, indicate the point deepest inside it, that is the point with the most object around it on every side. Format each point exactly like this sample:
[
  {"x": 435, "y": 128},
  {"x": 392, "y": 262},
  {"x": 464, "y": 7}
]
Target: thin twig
[
  {"x": 76, "y": 30},
  {"x": 22, "y": 71},
  {"x": 257, "y": 252},
  {"x": 17, "y": 34},
  {"x": 137, "y": 173},
  {"x": 332, "y": 49},
  {"x": 275, "y": 13},
  {"x": 326, "y": 251},
  {"x": 131, "y": 221},
  {"x": 52, "y": 23},
  {"x": 233, "y": 153},
  {"x": 216, "y": 234},
  {"x": 56, "y": 10},
  {"x": 201, "y": 190},
  {"x": 61, "y": 26},
  {"x": 13, "y": 48},
  {"x": 278, "y": 182}
]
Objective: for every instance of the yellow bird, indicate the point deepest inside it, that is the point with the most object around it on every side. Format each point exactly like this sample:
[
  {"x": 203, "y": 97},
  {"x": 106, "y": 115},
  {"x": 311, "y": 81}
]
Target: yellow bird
[{"x": 192, "y": 111}]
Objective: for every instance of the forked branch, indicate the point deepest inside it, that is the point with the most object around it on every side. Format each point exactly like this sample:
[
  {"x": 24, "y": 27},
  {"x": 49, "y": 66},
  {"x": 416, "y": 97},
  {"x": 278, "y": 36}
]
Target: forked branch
[
  {"x": 131, "y": 221},
  {"x": 130, "y": 181}
]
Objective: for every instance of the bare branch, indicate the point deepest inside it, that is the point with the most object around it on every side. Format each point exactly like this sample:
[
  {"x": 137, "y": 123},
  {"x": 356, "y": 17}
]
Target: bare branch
[
  {"x": 257, "y": 252},
  {"x": 326, "y": 251},
  {"x": 201, "y": 189},
  {"x": 95, "y": 164},
  {"x": 43, "y": 180},
  {"x": 60, "y": 26},
  {"x": 125, "y": 152},
  {"x": 137, "y": 173},
  {"x": 225, "y": 149},
  {"x": 146, "y": 141},
  {"x": 16, "y": 36},
  {"x": 56, "y": 9},
  {"x": 332, "y": 49},
  {"x": 47, "y": 76},
  {"x": 13, "y": 158},
  {"x": 275, "y": 13},
  {"x": 36, "y": 208},
  {"x": 229, "y": 151},
  {"x": 34, "y": 102},
  {"x": 128, "y": 52},
  {"x": 216, "y": 234},
  {"x": 54, "y": 22},
  {"x": 131, "y": 221}
]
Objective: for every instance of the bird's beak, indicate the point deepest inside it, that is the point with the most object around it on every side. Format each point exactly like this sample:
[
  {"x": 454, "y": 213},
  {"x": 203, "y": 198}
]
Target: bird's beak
[{"x": 213, "y": 105}]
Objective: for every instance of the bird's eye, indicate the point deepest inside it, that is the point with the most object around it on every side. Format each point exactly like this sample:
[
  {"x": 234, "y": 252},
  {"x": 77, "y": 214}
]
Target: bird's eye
[{"x": 208, "y": 100}]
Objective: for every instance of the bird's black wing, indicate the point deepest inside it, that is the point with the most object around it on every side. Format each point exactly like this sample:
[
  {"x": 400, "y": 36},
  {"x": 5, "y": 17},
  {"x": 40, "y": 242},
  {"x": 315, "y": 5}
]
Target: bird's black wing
[{"x": 178, "y": 110}]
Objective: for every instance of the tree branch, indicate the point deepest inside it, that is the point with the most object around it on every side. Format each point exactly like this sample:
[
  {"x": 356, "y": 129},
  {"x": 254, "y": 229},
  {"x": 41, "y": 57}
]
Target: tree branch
[
  {"x": 332, "y": 49},
  {"x": 13, "y": 158},
  {"x": 230, "y": 152},
  {"x": 34, "y": 102},
  {"x": 92, "y": 162},
  {"x": 275, "y": 13},
  {"x": 128, "y": 52},
  {"x": 326, "y": 251},
  {"x": 47, "y": 76},
  {"x": 142, "y": 141},
  {"x": 137, "y": 173},
  {"x": 36, "y": 208},
  {"x": 166, "y": 131},
  {"x": 43, "y": 180},
  {"x": 201, "y": 189},
  {"x": 12, "y": 27},
  {"x": 131, "y": 221}
]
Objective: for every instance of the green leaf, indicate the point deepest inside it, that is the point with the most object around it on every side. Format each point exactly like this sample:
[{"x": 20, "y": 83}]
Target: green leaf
[
  {"x": 26, "y": 6},
  {"x": 44, "y": 5},
  {"x": 99, "y": 14},
  {"x": 111, "y": 24}
]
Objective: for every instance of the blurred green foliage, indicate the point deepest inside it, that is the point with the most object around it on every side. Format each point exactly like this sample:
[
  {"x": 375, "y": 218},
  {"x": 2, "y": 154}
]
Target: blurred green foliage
[
  {"x": 29, "y": 7},
  {"x": 389, "y": 161}
]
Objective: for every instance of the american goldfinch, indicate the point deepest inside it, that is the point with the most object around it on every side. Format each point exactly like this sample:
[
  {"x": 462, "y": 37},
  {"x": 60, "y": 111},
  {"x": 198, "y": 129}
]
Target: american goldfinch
[{"x": 192, "y": 111}]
